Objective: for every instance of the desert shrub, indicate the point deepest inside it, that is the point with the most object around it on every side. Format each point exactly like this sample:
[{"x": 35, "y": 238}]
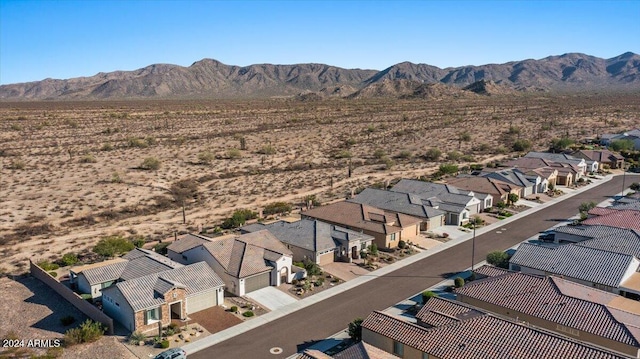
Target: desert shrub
[
  {"x": 69, "y": 259},
  {"x": 312, "y": 268},
  {"x": 622, "y": 145},
  {"x": 238, "y": 218},
  {"x": 136, "y": 142},
  {"x": 513, "y": 198},
  {"x": 67, "y": 320},
  {"x": 234, "y": 153},
  {"x": 521, "y": 145},
  {"x": 277, "y": 208},
  {"x": 468, "y": 158},
  {"x": 151, "y": 141},
  {"x": 448, "y": 168},
  {"x": 454, "y": 156},
  {"x": 404, "y": 154},
  {"x": 150, "y": 163},
  {"x": 355, "y": 329},
  {"x": 373, "y": 249},
  {"x": 87, "y": 332},
  {"x": 635, "y": 186},
  {"x": 458, "y": 282},
  {"x": 402, "y": 244},
  {"x": 164, "y": 344},
  {"x": 106, "y": 147},
  {"x": 342, "y": 154},
  {"x": 498, "y": 259},
  {"x": 426, "y": 295},
  {"x": 388, "y": 162},
  {"x": 586, "y": 206},
  {"x": 113, "y": 245},
  {"x": 234, "y": 309},
  {"x": 206, "y": 157},
  {"x": 433, "y": 154},
  {"x": 319, "y": 282},
  {"x": 53, "y": 274},
  {"x": 17, "y": 164},
  {"x": 47, "y": 266},
  {"x": 136, "y": 337},
  {"x": 267, "y": 150},
  {"x": 560, "y": 144},
  {"x": 115, "y": 178},
  {"x": 248, "y": 314},
  {"x": 138, "y": 241},
  {"x": 88, "y": 159},
  {"x": 378, "y": 153}
]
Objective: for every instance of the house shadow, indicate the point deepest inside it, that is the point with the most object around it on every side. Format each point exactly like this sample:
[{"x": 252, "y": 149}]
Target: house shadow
[
  {"x": 322, "y": 345},
  {"x": 55, "y": 306}
]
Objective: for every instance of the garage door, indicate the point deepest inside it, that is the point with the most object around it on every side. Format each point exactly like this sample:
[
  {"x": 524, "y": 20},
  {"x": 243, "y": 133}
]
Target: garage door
[
  {"x": 326, "y": 258},
  {"x": 201, "y": 302},
  {"x": 257, "y": 282}
]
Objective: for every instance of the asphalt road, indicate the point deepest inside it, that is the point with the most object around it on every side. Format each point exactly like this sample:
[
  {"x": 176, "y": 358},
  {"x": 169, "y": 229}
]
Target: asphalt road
[{"x": 298, "y": 330}]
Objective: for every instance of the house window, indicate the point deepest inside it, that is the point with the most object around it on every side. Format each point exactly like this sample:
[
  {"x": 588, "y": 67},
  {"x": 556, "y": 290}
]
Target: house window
[
  {"x": 152, "y": 315},
  {"x": 398, "y": 348},
  {"x": 393, "y": 237}
]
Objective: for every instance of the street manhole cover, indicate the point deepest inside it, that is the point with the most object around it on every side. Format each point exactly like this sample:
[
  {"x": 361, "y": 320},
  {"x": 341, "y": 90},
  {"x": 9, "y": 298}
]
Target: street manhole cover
[{"x": 275, "y": 350}]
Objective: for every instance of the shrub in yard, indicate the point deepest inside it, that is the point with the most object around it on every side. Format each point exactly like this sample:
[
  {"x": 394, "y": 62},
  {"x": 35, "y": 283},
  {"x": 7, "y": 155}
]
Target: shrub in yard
[
  {"x": 402, "y": 244},
  {"x": 373, "y": 249},
  {"x": 53, "y": 274},
  {"x": 69, "y": 259},
  {"x": 138, "y": 241},
  {"x": 87, "y": 332},
  {"x": 427, "y": 294},
  {"x": 161, "y": 247},
  {"x": 113, "y": 245},
  {"x": 47, "y": 266},
  {"x": 150, "y": 163},
  {"x": 635, "y": 186},
  {"x": 164, "y": 344},
  {"x": 136, "y": 337},
  {"x": 458, "y": 282},
  {"x": 319, "y": 282},
  {"x": 498, "y": 259},
  {"x": 238, "y": 218},
  {"x": 277, "y": 208},
  {"x": 248, "y": 314},
  {"x": 355, "y": 329},
  {"x": 234, "y": 309},
  {"x": 312, "y": 268},
  {"x": 67, "y": 320}
]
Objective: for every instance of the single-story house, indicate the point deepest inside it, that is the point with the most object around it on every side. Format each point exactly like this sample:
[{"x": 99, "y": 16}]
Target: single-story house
[
  {"x": 556, "y": 173},
  {"x": 403, "y": 203},
  {"x": 146, "y": 303},
  {"x": 581, "y": 233},
  {"x": 360, "y": 350},
  {"x": 245, "y": 263},
  {"x": 575, "y": 310},
  {"x": 626, "y": 218},
  {"x": 452, "y": 330},
  {"x": 581, "y": 163},
  {"x": 93, "y": 278},
  {"x": 386, "y": 227},
  {"x": 319, "y": 242},
  {"x": 497, "y": 190},
  {"x": 445, "y": 194},
  {"x": 604, "y": 157},
  {"x": 632, "y": 135},
  {"x": 514, "y": 176}
]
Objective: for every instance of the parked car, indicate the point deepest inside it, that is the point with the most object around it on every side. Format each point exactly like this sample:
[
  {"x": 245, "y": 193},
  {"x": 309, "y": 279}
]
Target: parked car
[{"x": 175, "y": 353}]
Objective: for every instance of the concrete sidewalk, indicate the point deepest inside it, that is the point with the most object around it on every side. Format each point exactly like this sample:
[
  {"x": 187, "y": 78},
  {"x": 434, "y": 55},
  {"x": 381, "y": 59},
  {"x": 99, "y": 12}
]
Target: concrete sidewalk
[{"x": 281, "y": 312}]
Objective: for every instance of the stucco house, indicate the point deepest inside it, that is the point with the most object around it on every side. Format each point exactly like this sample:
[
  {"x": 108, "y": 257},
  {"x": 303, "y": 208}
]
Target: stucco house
[
  {"x": 386, "y": 227},
  {"x": 319, "y": 242},
  {"x": 149, "y": 302},
  {"x": 245, "y": 263},
  {"x": 604, "y": 157},
  {"x": 497, "y": 190},
  {"x": 529, "y": 184},
  {"x": 632, "y": 135},
  {"x": 581, "y": 163},
  {"x": 458, "y": 204},
  {"x": 93, "y": 278},
  {"x": 556, "y": 173}
]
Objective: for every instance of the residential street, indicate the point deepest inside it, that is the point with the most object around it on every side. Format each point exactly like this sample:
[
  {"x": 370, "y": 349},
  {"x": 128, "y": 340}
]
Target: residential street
[{"x": 298, "y": 330}]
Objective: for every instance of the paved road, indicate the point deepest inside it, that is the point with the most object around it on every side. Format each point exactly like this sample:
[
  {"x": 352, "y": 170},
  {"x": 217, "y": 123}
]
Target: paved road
[{"x": 298, "y": 330}]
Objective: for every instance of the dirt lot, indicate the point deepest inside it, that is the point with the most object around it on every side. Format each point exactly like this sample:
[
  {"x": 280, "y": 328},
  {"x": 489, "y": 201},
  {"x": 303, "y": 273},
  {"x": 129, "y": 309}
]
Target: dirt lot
[
  {"x": 214, "y": 319},
  {"x": 72, "y": 172},
  {"x": 30, "y": 310}
]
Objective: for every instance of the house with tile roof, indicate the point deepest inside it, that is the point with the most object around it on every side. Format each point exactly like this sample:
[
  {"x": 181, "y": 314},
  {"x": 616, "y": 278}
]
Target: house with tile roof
[
  {"x": 387, "y": 228},
  {"x": 529, "y": 184},
  {"x": 556, "y": 173},
  {"x": 610, "y": 264},
  {"x": 604, "y": 157},
  {"x": 360, "y": 350},
  {"x": 404, "y": 203},
  {"x": 92, "y": 278},
  {"x": 458, "y": 204},
  {"x": 632, "y": 135},
  {"x": 632, "y": 203},
  {"x": 585, "y": 166},
  {"x": 497, "y": 190},
  {"x": 453, "y": 330},
  {"x": 149, "y": 302},
  {"x": 625, "y": 218},
  {"x": 580, "y": 233},
  {"x": 316, "y": 241},
  {"x": 245, "y": 263},
  {"x": 568, "y": 308}
]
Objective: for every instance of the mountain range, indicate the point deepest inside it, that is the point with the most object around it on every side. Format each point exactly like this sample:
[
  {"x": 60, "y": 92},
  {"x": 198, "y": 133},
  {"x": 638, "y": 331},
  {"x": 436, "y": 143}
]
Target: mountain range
[{"x": 573, "y": 72}]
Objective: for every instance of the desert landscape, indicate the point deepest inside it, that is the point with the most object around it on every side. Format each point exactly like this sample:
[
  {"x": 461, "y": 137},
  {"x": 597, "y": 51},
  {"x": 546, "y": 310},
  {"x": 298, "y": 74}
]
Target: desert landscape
[{"x": 74, "y": 172}]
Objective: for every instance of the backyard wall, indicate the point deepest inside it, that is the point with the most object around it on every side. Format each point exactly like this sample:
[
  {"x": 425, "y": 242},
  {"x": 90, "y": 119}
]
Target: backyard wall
[{"x": 85, "y": 307}]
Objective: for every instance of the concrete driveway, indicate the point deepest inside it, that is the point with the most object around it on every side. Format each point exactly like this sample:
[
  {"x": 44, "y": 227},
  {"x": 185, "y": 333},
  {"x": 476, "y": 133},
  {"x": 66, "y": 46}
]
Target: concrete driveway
[{"x": 271, "y": 298}]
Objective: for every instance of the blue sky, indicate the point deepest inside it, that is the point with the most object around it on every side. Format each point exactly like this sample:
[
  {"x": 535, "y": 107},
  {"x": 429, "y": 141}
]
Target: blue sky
[{"x": 63, "y": 39}]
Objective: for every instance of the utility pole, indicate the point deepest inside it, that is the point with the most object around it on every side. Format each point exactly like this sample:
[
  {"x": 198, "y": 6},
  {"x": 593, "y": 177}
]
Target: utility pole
[
  {"x": 624, "y": 172},
  {"x": 473, "y": 246}
]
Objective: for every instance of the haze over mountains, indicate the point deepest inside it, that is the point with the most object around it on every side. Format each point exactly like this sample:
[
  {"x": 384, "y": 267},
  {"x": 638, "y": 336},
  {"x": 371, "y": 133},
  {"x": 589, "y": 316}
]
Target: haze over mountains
[{"x": 209, "y": 78}]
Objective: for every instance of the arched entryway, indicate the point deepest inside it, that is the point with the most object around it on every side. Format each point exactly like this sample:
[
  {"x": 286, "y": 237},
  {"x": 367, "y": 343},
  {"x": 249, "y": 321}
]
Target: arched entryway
[{"x": 284, "y": 275}]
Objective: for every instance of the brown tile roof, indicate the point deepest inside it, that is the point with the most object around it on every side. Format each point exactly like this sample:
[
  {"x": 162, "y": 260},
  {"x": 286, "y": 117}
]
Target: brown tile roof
[
  {"x": 363, "y": 350},
  {"x": 555, "y": 300},
  {"x": 437, "y": 312},
  {"x": 246, "y": 255},
  {"x": 362, "y": 216},
  {"x": 488, "y": 270},
  {"x": 625, "y": 218},
  {"x": 483, "y": 337},
  {"x": 600, "y": 155},
  {"x": 186, "y": 242},
  {"x": 479, "y": 184}
]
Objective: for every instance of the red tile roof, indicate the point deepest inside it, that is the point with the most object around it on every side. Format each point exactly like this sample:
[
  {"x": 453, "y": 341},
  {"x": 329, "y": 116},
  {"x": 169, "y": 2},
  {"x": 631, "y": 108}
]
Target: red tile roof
[{"x": 626, "y": 218}]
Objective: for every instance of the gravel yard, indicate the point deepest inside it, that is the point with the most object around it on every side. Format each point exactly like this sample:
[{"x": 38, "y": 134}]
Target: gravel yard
[{"x": 31, "y": 310}]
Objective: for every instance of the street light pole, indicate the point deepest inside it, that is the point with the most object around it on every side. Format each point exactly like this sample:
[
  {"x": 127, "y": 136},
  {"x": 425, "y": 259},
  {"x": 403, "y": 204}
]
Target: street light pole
[
  {"x": 473, "y": 246},
  {"x": 624, "y": 173}
]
